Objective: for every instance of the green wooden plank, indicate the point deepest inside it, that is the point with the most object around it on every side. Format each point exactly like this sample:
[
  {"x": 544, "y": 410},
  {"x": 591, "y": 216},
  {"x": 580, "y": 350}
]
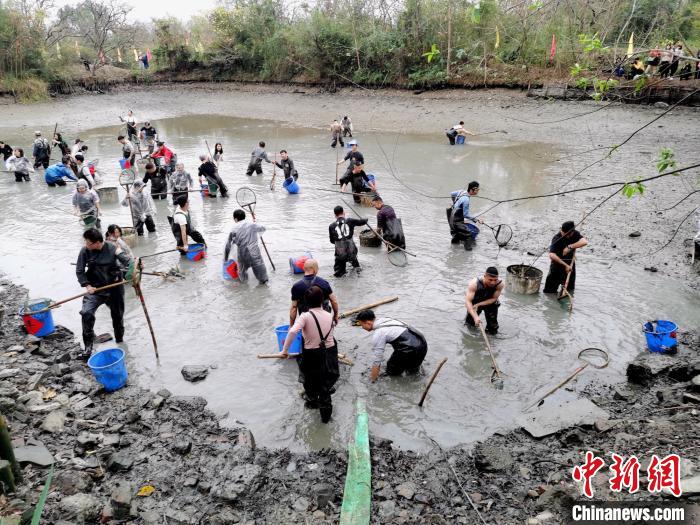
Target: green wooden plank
[{"x": 357, "y": 498}]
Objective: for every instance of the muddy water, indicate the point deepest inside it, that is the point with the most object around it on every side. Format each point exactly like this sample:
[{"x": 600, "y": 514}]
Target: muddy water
[{"x": 204, "y": 320}]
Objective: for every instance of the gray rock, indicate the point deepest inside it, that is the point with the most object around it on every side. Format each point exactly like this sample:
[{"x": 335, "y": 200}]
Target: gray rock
[
  {"x": 647, "y": 366},
  {"x": 10, "y": 390},
  {"x": 83, "y": 508},
  {"x": 7, "y": 404},
  {"x": 623, "y": 393},
  {"x": 603, "y": 425},
  {"x": 120, "y": 462},
  {"x": 164, "y": 393},
  {"x": 225, "y": 517},
  {"x": 34, "y": 381},
  {"x": 558, "y": 496},
  {"x": 194, "y": 373},
  {"x": 691, "y": 486},
  {"x": 157, "y": 402},
  {"x": 241, "y": 479},
  {"x": 324, "y": 495},
  {"x": 177, "y": 517},
  {"x": 54, "y": 422},
  {"x": 422, "y": 498},
  {"x": 111, "y": 440},
  {"x": 245, "y": 438},
  {"x": 8, "y": 372},
  {"x": 182, "y": 446},
  {"x": 36, "y": 454},
  {"x": 86, "y": 439},
  {"x": 189, "y": 403},
  {"x": 45, "y": 408},
  {"x": 301, "y": 504},
  {"x": 387, "y": 509},
  {"x": 69, "y": 482},
  {"x": 636, "y": 234},
  {"x": 31, "y": 398},
  {"x": 695, "y": 383},
  {"x": 151, "y": 517},
  {"x": 660, "y": 104},
  {"x": 489, "y": 458},
  {"x": 120, "y": 500},
  {"x": 406, "y": 490}
]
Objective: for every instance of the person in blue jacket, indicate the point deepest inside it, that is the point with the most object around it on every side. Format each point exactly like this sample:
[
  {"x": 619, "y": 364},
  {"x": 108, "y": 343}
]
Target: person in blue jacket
[{"x": 54, "y": 174}]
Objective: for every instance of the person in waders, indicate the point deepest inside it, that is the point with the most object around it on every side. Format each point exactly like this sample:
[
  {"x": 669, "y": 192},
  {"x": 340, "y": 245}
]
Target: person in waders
[
  {"x": 561, "y": 254},
  {"x": 210, "y": 172},
  {"x": 41, "y": 151},
  {"x": 388, "y": 225},
  {"x": 319, "y": 353},
  {"x": 218, "y": 152},
  {"x": 142, "y": 208},
  {"x": 244, "y": 235},
  {"x": 458, "y": 215},
  {"x": 340, "y": 232},
  {"x": 83, "y": 171},
  {"x": 408, "y": 343},
  {"x": 354, "y": 157},
  {"x": 59, "y": 143},
  {"x": 148, "y": 134},
  {"x": 158, "y": 177},
  {"x": 86, "y": 204},
  {"x": 336, "y": 133},
  {"x": 54, "y": 174},
  {"x": 114, "y": 237},
  {"x": 168, "y": 156},
  {"x": 457, "y": 130},
  {"x": 182, "y": 226},
  {"x": 130, "y": 121},
  {"x": 128, "y": 149},
  {"x": 347, "y": 126},
  {"x": 482, "y": 296},
  {"x": 256, "y": 157},
  {"x": 358, "y": 181},
  {"x": 287, "y": 165},
  {"x": 20, "y": 165},
  {"x": 76, "y": 148},
  {"x": 311, "y": 278},
  {"x": 99, "y": 264},
  {"x": 179, "y": 182},
  {"x": 6, "y": 150}
]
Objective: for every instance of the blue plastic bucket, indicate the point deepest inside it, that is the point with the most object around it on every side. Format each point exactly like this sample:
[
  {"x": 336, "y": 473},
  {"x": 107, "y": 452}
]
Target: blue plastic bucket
[
  {"x": 661, "y": 336},
  {"x": 290, "y": 185},
  {"x": 296, "y": 264},
  {"x": 196, "y": 252},
  {"x": 473, "y": 229},
  {"x": 37, "y": 324},
  {"x": 230, "y": 270},
  {"x": 281, "y": 333},
  {"x": 109, "y": 368},
  {"x": 459, "y": 139}
]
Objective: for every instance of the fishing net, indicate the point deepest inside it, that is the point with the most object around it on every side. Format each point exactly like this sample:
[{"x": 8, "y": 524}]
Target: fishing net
[
  {"x": 595, "y": 357},
  {"x": 246, "y": 197},
  {"x": 503, "y": 234},
  {"x": 127, "y": 177},
  {"x": 397, "y": 257}
]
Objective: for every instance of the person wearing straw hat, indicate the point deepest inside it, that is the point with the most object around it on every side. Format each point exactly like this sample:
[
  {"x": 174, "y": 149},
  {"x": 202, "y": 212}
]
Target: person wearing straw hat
[
  {"x": 410, "y": 346},
  {"x": 142, "y": 207},
  {"x": 86, "y": 203},
  {"x": 244, "y": 235},
  {"x": 458, "y": 215},
  {"x": 482, "y": 296},
  {"x": 99, "y": 264},
  {"x": 561, "y": 254}
]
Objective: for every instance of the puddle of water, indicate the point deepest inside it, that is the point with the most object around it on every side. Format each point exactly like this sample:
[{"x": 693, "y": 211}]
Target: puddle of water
[{"x": 204, "y": 320}]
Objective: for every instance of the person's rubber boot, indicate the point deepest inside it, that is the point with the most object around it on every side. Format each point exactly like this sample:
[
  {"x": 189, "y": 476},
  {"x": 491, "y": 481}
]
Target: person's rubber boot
[
  {"x": 86, "y": 353},
  {"x": 326, "y": 413},
  {"x": 468, "y": 244},
  {"x": 119, "y": 336},
  {"x": 455, "y": 239}
]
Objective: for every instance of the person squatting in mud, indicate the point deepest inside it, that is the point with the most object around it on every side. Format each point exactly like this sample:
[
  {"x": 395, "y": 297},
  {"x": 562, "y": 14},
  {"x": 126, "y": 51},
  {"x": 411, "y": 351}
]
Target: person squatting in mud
[
  {"x": 99, "y": 264},
  {"x": 341, "y": 232},
  {"x": 482, "y": 296},
  {"x": 410, "y": 346},
  {"x": 319, "y": 353}
]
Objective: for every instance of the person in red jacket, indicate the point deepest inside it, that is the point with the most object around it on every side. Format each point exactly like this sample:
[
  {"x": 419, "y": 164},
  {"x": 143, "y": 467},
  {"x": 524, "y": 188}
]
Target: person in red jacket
[{"x": 169, "y": 158}]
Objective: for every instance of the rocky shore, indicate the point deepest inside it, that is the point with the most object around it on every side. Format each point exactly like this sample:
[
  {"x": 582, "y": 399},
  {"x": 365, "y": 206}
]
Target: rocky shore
[{"x": 135, "y": 456}]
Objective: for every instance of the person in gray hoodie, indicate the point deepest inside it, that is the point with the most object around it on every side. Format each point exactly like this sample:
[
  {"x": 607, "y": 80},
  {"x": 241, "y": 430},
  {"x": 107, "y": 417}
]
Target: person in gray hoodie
[{"x": 256, "y": 157}]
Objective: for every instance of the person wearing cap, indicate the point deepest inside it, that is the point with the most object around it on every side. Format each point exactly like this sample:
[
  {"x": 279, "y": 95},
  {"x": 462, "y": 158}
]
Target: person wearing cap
[
  {"x": 168, "y": 156},
  {"x": 182, "y": 227},
  {"x": 336, "y": 133},
  {"x": 561, "y": 254},
  {"x": 208, "y": 171},
  {"x": 148, "y": 134},
  {"x": 458, "y": 216},
  {"x": 353, "y": 157},
  {"x": 341, "y": 232},
  {"x": 388, "y": 225},
  {"x": 54, "y": 174},
  {"x": 128, "y": 149},
  {"x": 142, "y": 207},
  {"x": 86, "y": 203},
  {"x": 5, "y": 150},
  {"x": 244, "y": 235},
  {"x": 410, "y": 346},
  {"x": 358, "y": 180},
  {"x": 457, "y": 129},
  {"x": 482, "y": 296},
  {"x": 287, "y": 165},
  {"x": 256, "y": 157},
  {"x": 100, "y": 264},
  {"x": 19, "y": 165},
  {"x": 347, "y": 126},
  {"x": 41, "y": 151},
  {"x": 158, "y": 178}
]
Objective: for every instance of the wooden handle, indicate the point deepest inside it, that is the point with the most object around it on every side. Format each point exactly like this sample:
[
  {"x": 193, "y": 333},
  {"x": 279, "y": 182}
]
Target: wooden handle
[
  {"x": 341, "y": 357},
  {"x": 488, "y": 346},
  {"x": 430, "y": 381},
  {"x": 62, "y": 301},
  {"x": 368, "y": 306}
]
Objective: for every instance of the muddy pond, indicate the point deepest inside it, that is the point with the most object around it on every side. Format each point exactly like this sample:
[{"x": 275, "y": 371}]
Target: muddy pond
[{"x": 204, "y": 320}]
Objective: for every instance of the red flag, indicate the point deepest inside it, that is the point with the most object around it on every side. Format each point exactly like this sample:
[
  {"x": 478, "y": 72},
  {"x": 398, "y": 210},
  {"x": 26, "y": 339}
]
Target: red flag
[{"x": 553, "y": 50}]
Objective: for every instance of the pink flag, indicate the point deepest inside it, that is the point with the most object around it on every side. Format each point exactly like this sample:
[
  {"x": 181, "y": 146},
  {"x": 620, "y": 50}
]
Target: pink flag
[{"x": 553, "y": 50}]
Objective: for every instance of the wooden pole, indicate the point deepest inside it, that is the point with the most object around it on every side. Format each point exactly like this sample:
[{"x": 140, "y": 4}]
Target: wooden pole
[
  {"x": 274, "y": 173},
  {"x": 430, "y": 381},
  {"x": 139, "y": 293},
  {"x": 368, "y": 306},
  {"x": 342, "y": 358},
  {"x": 337, "y": 159},
  {"x": 496, "y": 370},
  {"x": 158, "y": 253},
  {"x": 62, "y": 301}
]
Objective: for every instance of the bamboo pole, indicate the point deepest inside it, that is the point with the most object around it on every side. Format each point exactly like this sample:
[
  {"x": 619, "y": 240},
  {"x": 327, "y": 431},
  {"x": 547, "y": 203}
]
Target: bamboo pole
[
  {"x": 342, "y": 358},
  {"x": 430, "y": 381},
  {"x": 73, "y": 298},
  {"x": 368, "y": 306},
  {"x": 139, "y": 293},
  {"x": 496, "y": 370}
]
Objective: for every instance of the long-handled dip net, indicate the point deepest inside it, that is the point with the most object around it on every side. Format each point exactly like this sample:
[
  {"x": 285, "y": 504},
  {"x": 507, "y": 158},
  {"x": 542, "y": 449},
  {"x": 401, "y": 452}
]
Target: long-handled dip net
[
  {"x": 502, "y": 233},
  {"x": 246, "y": 198},
  {"x": 127, "y": 177}
]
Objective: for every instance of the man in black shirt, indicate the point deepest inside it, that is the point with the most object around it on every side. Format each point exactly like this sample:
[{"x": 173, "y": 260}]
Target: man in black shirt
[
  {"x": 287, "y": 165},
  {"x": 340, "y": 232},
  {"x": 561, "y": 254},
  {"x": 353, "y": 156},
  {"x": 148, "y": 134},
  {"x": 358, "y": 180},
  {"x": 209, "y": 171},
  {"x": 6, "y": 150},
  {"x": 310, "y": 279},
  {"x": 99, "y": 264},
  {"x": 158, "y": 175}
]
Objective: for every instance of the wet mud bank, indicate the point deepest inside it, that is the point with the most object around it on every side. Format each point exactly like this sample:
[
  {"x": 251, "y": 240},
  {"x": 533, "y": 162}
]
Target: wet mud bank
[{"x": 150, "y": 457}]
